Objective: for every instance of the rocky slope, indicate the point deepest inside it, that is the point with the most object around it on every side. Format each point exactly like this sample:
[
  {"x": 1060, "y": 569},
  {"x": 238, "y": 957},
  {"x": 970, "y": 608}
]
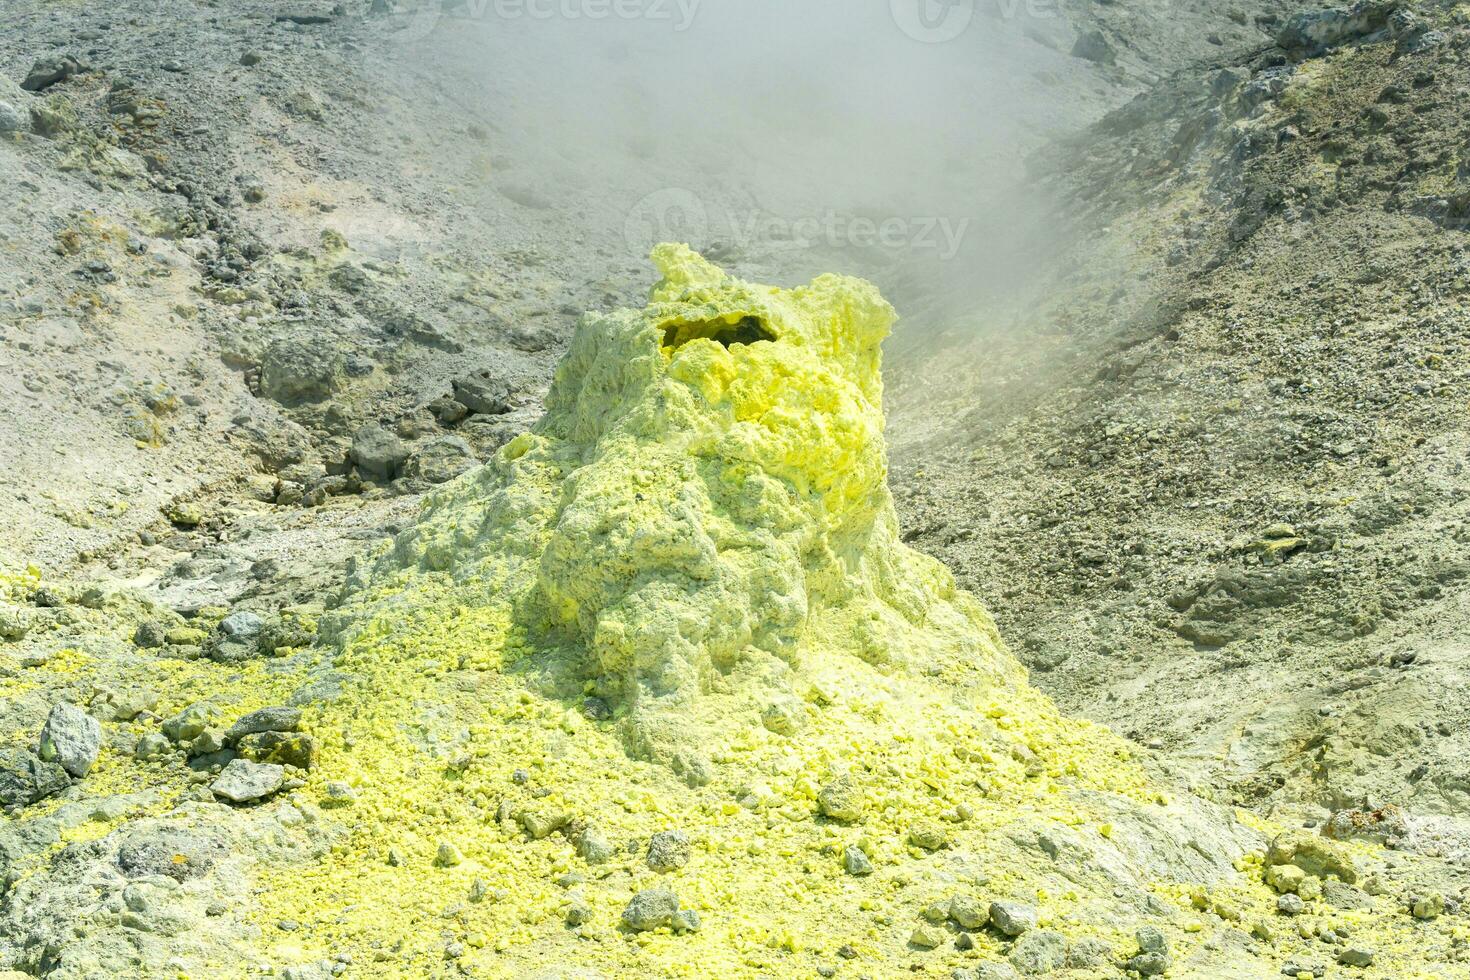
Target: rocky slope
[
  {"x": 272, "y": 275},
  {"x": 1220, "y": 501}
]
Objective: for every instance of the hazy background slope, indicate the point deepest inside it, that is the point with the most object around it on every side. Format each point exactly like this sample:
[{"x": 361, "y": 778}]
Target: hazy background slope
[
  {"x": 1212, "y": 483},
  {"x": 491, "y": 175}
]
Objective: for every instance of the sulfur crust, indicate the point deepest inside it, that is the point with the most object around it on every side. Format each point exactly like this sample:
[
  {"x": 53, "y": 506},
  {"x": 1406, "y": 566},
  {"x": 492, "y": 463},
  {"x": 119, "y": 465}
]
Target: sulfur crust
[{"x": 701, "y": 538}]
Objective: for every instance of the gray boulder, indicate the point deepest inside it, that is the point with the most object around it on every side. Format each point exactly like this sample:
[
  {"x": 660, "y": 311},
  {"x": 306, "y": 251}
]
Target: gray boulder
[
  {"x": 440, "y": 460},
  {"x": 378, "y": 453},
  {"x": 1151, "y": 939},
  {"x": 841, "y": 799},
  {"x": 995, "y": 971},
  {"x": 651, "y": 909},
  {"x": 483, "y": 392},
  {"x": 1148, "y": 964},
  {"x": 15, "y": 624},
  {"x": 245, "y": 782},
  {"x": 168, "y": 852},
  {"x": 668, "y": 850},
  {"x": 125, "y": 705},
  {"x": 209, "y": 742},
  {"x": 1039, "y": 953},
  {"x": 287, "y": 748},
  {"x": 967, "y": 912},
  {"x": 13, "y": 120},
  {"x": 71, "y": 738},
  {"x": 593, "y": 847},
  {"x": 49, "y": 71},
  {"x": 295, "y": 370},
  {"x": 235, "y": 639},
  {"x": 223, "y": 650},
  {"x": 243, "y": 626},
  {"x": 190, "y": 723},
  {"x": 277, "y": 718},
  {"x": 150, "y": 635},
  {"x": 15, "y": 116},
  {"x": 447, "y": 410},
  {"x": 26, "y": 778},
  {"x": 154, "y": 745},
  {"x": 855, "y": 862},
  {"x": 1313, "y": 32},
  {"x": 1094, "y": 47},
  {"x": 1012, "y": 918}
]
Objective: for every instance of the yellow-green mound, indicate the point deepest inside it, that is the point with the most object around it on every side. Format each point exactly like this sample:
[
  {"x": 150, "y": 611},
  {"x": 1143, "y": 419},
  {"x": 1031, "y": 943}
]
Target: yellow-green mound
[{"x": 681, "y": 603}]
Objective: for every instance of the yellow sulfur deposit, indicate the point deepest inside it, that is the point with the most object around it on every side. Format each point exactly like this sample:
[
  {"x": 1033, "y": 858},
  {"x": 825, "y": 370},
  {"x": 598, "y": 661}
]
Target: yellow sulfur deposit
[{"x": 681, "y": 604}]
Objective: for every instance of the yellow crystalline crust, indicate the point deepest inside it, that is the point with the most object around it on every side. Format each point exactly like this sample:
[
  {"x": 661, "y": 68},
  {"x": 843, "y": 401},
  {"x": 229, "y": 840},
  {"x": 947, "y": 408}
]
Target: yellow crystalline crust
[{"x": 698, "y": 541}]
